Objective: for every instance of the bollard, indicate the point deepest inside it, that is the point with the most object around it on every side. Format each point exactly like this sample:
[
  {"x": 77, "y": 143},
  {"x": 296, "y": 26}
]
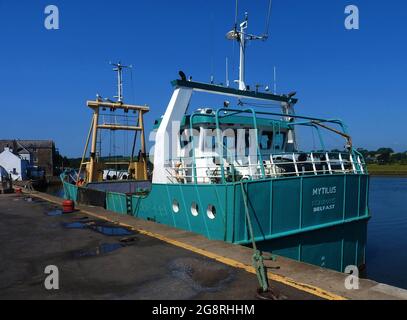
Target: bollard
[{"x": 68, "y": 206}]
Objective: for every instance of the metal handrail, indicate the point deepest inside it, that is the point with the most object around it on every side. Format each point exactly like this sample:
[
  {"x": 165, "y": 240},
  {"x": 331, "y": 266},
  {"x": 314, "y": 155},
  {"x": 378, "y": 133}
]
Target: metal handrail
[
  {"x": 274, "y": 167},
  {"x": 231, "y": 112},
  {"x": 235, "y": 112}
]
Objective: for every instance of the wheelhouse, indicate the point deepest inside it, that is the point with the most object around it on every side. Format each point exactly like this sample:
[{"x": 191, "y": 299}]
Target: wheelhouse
[{"x": 227, "y": 144}]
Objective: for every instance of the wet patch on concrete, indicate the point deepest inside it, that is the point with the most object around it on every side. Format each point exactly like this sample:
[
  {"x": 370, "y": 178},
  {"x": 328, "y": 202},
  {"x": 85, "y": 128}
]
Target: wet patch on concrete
[
  {"x": 100, "y": 250},
  {"x": 187, "y": 278},
  {"x": 109, "y": 230},
  {"x": 161, "y": 288},
  {"x": 75, "y": 225},
  {"x": 101, "y": 227},
  {"x": 104, "y": 248},
  {"x": 54, "y": 212},
  {"x": 201, "y": 274}
]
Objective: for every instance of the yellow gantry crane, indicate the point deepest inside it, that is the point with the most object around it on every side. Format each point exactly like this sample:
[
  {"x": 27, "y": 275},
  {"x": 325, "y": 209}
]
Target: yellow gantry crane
[{"x": 95, "y": 166}]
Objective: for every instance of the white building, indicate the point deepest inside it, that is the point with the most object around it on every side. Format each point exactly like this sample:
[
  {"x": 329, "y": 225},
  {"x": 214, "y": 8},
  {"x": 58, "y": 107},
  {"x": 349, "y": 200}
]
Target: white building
[
  {"x": 3, "y": 174},
  {"x": 5, "y": 181},
  {"x": 14, "y": 165}
]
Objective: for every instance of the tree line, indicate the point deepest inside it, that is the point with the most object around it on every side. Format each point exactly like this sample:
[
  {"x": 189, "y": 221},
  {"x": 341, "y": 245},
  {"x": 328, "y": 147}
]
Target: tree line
[{"x": 384, "y": 156}]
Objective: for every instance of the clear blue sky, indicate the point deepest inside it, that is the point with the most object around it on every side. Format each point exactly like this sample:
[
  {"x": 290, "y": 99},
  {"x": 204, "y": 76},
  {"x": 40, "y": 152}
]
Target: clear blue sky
[{"x": 46, "y": 76}]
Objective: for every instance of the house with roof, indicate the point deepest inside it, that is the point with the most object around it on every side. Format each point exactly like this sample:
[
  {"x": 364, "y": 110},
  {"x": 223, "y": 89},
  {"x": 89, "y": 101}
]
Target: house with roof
[
  {"x": 40, "y": 154},
  {"x": 14, "y": 165}
]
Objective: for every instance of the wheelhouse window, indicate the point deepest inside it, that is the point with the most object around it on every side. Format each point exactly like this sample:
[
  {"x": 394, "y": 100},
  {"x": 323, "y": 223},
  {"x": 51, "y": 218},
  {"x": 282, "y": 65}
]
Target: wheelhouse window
[
  {"x": 279, "y": 139},
  {"x": 266, "y": 140},
  {"x": 184, "y": 138}
]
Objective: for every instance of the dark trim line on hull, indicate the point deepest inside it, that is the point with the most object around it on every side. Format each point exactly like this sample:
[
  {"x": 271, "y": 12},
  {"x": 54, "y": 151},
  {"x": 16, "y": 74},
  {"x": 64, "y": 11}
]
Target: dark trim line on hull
[
  {"x": 199, "y": 86},
  {"x": 306, "y": 229}
]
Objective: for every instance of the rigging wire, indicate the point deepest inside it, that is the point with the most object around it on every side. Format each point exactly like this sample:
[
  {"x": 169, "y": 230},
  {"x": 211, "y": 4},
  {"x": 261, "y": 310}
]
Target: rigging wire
[
  {"x": 134, "y": 101},
  {"x": 267, "y": 29},
  {"x": 137, "y": 120},
  {"x": 313, "y": 138},
  {"x": 100, "y": 144},
  {"x": 126, "y": 138}
]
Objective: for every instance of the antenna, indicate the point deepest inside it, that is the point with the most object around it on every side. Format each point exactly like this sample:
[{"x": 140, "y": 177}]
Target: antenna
[
  {"x": 267, "y": 29},
  {"x": 242, "y": 38},
  {"x": 118, "y": 67},
  {"x": 227, "y": 72},
  {"x": 236, "y": 13},
  {"x": 275, "y": 80}
]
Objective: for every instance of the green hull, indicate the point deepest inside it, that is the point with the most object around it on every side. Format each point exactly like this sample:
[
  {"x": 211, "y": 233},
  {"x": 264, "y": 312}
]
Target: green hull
[{"x": 320, "y": 220}]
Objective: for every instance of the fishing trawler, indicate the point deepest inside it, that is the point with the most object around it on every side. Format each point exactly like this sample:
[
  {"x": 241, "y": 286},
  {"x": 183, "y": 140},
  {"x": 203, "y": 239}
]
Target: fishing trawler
[{"x": 235, "y": 173}]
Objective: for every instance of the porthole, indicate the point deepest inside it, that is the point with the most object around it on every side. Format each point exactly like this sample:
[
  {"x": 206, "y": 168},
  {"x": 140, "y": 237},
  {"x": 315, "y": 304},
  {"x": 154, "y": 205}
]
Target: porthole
[
  {"x": 175, "y": 206},
  {"x": 194, "y": 209},
  {"x": 211, "y": 212}
]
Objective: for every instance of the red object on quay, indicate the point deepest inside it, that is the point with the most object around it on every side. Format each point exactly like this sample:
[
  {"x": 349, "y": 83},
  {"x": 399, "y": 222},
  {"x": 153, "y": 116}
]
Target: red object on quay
[{"x": 68, "y": 206}]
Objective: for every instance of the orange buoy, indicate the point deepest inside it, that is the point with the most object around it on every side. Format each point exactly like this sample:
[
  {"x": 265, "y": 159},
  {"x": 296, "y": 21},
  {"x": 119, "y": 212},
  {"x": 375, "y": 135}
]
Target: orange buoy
[{"x": 68, "y": 206}]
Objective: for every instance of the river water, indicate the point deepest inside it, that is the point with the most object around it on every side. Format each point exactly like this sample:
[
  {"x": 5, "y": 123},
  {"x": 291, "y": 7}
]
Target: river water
[{"x": 386, "y": 253}]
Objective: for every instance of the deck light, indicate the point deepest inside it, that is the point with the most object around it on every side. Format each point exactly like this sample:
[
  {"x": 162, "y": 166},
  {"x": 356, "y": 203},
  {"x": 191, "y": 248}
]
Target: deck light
[{"x": 232, "y": 35}]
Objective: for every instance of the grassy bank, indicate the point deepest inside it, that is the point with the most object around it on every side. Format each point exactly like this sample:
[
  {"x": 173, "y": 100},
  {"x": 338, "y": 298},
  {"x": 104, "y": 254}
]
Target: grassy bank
[{"x": 387, "y": 170}]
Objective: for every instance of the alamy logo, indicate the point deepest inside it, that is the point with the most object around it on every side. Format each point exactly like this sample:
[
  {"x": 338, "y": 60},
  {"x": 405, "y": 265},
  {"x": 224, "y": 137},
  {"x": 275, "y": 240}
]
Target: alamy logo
[
  {"x": 52, "y": 20},
  {"x": 352, "y": 20},
  {"x": 352, "y": 281},
  {"x": 52, "y": 280}
]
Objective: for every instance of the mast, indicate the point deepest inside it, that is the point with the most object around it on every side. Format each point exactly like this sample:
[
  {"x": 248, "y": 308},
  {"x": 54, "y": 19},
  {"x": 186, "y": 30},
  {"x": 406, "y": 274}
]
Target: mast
[
  {"x": 242, "y": 42},
  {"x": 242, "y": 37},
  {"x": 119, "y": 69}
]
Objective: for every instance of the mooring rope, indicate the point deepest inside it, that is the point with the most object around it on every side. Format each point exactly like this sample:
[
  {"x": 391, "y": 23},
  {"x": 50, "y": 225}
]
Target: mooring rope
[{"x": 257, "y": 259}]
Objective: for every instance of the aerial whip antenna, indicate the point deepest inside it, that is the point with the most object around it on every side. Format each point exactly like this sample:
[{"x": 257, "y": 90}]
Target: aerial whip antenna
[
  {"x": 236, "y": 13},
  {"x": 275, "y": 80},
  {"x": 267, "y": 29},
  {"x": 227, "y": 72}
]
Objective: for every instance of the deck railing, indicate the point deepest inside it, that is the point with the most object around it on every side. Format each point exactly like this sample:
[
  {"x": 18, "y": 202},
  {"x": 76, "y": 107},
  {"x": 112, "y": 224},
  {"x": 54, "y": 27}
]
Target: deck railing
[{"x": 185, "y": 170}]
